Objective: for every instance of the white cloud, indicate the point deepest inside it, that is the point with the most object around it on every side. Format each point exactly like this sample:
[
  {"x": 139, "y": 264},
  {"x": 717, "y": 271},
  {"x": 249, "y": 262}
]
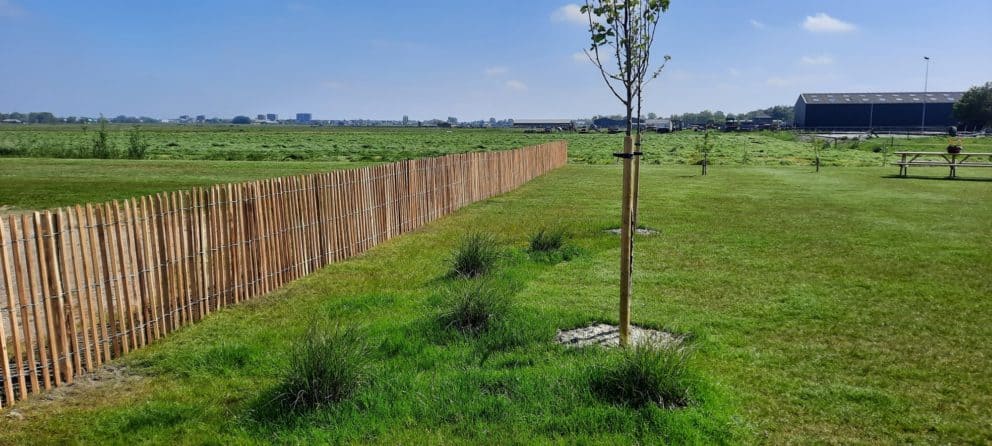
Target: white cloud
[
  {"x": 823, "y": 23},
  {"x": 570, "y": 13},
  {"x": 817, "y": 60},
  {"x": 757, "y": 25},
  {"x": 516, "y": 85},
  {"x": 9, "y": 9},
  {"x": 496, "y": 71},
  {"x": 580, "y": 57},
  {"x": 734, "y": 72}
]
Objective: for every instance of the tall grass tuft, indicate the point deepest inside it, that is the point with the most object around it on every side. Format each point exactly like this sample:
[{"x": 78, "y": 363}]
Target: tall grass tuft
[
  {"x": 476, "y": 255},
  {"x": 644, "y": 375},
  {"x": 547, "y": 240},
  {"x": 551, "y": 245},
  {"x": 476, "y": 306},
  {"x": 327, "y": 366}
]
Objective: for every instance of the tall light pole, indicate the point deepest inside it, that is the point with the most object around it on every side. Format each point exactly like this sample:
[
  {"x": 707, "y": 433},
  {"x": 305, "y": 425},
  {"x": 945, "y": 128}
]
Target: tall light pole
[{"x": 926, "y": 78}]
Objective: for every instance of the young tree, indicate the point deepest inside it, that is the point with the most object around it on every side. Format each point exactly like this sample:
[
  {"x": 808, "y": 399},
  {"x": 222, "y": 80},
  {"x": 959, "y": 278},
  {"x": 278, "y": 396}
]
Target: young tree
[
  {"x": 622, "y": 33},
  {"x": 102, "y": 147},
  {"x": 136, "y": 144}
]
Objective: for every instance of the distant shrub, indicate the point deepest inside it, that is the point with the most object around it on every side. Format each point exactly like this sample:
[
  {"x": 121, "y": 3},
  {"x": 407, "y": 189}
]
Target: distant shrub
[
  {"x": 102, "y": 148},
  {"x": 642, "y": 375},
  {"x": 327, "y": 366},
  {"x": 136, "y": 145},
  {"x": 475, "y": 306},
  {"x": 476, "y": 255}
]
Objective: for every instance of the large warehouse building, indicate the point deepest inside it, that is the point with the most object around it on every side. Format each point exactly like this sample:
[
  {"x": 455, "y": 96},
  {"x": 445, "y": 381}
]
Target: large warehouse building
[{"x": 879, "y": 111}]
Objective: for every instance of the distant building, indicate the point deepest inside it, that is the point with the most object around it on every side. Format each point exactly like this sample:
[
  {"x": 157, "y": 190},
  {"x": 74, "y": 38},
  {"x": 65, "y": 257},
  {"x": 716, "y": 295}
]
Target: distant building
[
  {"x": 611, "y": 123},
  {"x": 763, "y": 122},
  {"x": 201, "y": 118},
  {"x": 546, "y": 124},
  {"x": 879, "y": 111},
  {"x": 271, "y": 117},
  {"x": 303, "y": 118},
  {"x": 659, "y": 125}
]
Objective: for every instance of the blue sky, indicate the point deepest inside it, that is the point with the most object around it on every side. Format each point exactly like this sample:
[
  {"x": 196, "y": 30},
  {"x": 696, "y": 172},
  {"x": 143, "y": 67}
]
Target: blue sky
[{"x": 469, "y": 59}]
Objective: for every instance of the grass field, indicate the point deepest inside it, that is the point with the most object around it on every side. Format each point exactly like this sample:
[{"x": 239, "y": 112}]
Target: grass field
[
  {"x": 39, "y": 183},
  {"x": 840, "y": 307},
  {"x": 36, "y": 182},
  {"x": 296, "y": 143}
]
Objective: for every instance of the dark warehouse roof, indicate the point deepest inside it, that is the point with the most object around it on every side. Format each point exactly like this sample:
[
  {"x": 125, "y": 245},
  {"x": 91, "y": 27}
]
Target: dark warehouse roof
[{"x": 933, "y": 97}]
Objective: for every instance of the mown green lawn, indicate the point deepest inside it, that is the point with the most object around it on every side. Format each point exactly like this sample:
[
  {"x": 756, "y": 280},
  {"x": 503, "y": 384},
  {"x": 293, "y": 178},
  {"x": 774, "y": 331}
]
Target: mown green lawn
[{"x": 840, "y": 307}]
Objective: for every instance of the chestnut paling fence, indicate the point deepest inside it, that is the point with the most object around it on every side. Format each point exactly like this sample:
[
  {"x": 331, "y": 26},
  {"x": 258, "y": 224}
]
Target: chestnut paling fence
[{"x": 82, "y": 285}]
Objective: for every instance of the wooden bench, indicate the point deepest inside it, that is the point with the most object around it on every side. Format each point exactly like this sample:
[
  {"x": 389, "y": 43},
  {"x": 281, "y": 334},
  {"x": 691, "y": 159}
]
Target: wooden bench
[{"x": 941, "y": 159}]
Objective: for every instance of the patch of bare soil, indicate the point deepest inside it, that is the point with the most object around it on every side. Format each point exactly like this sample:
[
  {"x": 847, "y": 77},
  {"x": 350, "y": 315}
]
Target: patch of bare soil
[
  {"x": 7, "y": 210},
  {"x": 609, "y": 336},
  {"x": 110, "y": 379}
]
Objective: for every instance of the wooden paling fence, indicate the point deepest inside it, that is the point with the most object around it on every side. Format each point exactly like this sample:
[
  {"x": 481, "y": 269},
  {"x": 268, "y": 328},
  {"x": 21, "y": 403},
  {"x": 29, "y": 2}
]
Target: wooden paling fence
[{"x": 82, "y": 285}]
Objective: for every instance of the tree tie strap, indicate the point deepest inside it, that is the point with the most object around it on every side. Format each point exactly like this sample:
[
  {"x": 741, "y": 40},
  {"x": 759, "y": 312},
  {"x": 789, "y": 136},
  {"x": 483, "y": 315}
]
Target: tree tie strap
[{"x": 627, "y": 155}]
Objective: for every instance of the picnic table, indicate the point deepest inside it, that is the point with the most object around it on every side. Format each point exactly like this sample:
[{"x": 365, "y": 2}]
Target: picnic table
[{"x": 942, "y": 159}]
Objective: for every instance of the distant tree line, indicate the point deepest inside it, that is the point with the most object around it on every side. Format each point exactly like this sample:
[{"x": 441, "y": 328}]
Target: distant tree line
[
  {"x": 49, "y": 118},
  {"x": 33, "y": 117}
]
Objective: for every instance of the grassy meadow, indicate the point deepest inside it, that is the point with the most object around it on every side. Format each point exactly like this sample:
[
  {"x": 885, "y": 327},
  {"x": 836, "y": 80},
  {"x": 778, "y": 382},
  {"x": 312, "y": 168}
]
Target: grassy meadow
[
  {"x": 40, "y": 165},
  {"x": 366, "y": 145},
  {"x": 841, "y": 307}
]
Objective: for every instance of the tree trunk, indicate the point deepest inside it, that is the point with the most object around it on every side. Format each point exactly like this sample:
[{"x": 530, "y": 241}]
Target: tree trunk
[
  {"x": 627, "y": 208},
  {"x": 626, "y": 248},
  {"x": 634, "y": 202}
]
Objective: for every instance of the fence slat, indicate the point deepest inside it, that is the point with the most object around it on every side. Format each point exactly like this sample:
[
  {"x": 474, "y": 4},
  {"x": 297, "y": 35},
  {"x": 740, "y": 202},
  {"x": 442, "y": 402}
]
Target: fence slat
[
  {"x": 70, "y": 292},
  {"x": 87, "y": 287},
  {"x": 7, "y": 246},
  {"x": 81, "y": 285},
  {"x": 45, "y": 296},
  {"x": 98, "y": 284}
]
